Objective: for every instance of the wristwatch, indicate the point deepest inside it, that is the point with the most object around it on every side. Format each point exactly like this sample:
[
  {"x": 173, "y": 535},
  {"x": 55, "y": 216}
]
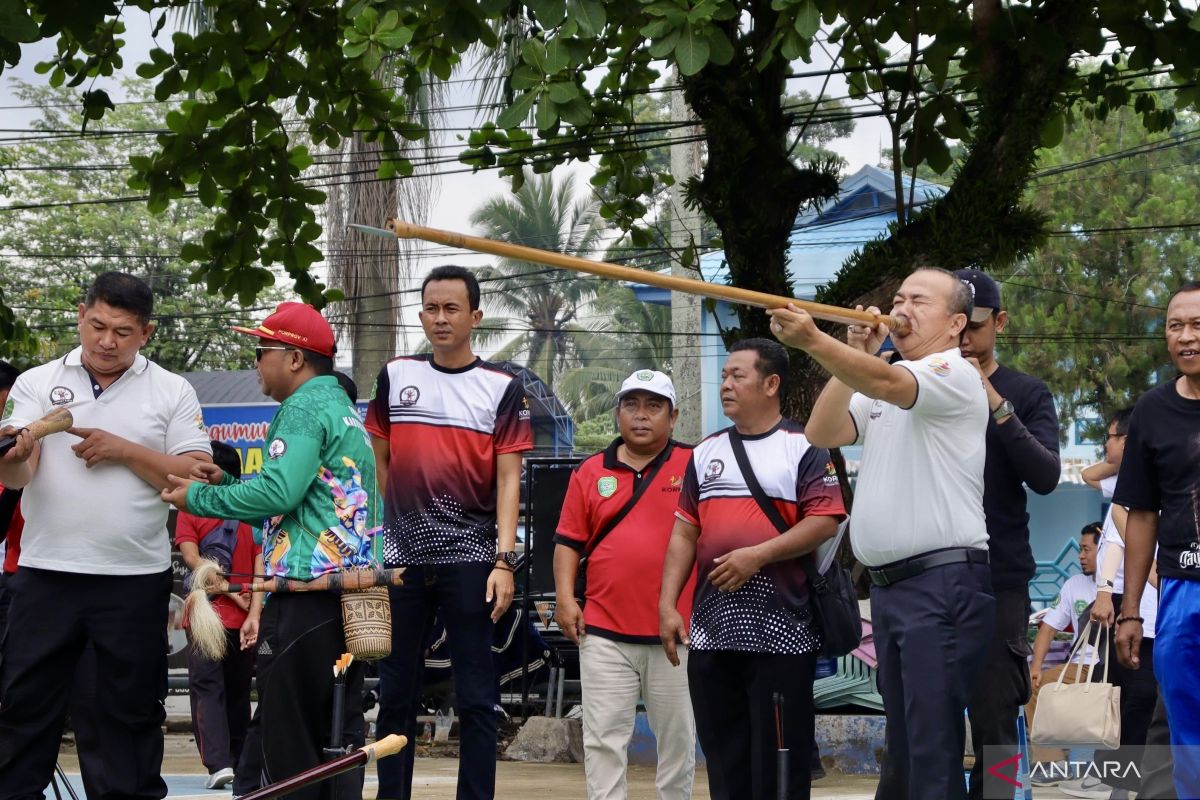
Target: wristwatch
[
  {"x": 508, "y": 557},
  {"x": 1003, "y": 411}
]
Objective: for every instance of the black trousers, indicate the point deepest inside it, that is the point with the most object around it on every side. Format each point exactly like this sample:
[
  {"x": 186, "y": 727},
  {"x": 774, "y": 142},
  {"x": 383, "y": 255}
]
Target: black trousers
[
  {"x": 1002, "y": 688},
  {"x": 931, "y": 635},
  {"x": 52, "y": 617},
  {"x": 300, "y": 638},
  {"x": 219, "y": 692},
  {"x": 733, "y": 703},
  {"x": 455, "y": 593}
]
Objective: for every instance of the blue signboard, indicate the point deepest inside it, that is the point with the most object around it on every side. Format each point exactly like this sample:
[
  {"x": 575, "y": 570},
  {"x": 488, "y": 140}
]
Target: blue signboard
[{"x": 244, "y": 427}]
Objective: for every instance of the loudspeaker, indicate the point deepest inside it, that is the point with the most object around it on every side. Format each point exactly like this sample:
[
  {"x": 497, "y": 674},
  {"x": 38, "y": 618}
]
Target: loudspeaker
[{"x": 546, "y": 481}]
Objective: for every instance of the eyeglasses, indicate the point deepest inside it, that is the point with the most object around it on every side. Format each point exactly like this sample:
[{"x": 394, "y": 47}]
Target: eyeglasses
[
  {"x": 1108, "y": 436},
  {"x": 258, "y": 351}
]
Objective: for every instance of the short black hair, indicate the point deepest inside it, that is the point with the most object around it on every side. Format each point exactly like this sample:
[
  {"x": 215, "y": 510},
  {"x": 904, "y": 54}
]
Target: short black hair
[
  {"x": 453, "y": 272},
  {"x": 227, "y": 458},
  {"x": 772, "y": 356},
  {"x": 124, "y": 291},
  {"x": 1092, "y": 529},
  {"x": 321, "y": 364},
  {"x": 8, "y": 375},
  {"x": 348, "y": 385},
  {"x": 1121, "y": 420}
]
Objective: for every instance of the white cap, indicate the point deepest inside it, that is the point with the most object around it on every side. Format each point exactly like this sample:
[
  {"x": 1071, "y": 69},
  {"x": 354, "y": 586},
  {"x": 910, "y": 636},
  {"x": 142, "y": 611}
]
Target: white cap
[{"x": 649, "y": 380}]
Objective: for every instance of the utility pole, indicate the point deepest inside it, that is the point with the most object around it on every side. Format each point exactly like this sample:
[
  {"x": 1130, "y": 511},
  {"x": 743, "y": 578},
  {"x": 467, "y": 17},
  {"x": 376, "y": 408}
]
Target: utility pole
[{"x": 685, "y": 308}]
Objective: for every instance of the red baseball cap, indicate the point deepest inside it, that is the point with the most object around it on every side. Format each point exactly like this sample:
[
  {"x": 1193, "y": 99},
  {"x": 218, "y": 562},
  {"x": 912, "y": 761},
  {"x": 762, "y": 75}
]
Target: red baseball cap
[{"x": 296, "y": 324}]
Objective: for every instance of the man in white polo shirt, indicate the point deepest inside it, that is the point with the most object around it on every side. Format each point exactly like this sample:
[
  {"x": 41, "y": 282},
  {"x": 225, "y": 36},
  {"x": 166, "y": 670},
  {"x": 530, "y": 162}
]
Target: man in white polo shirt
[
  {"x": 95, "y": 563},
  {"x": 917, "y": 522}
]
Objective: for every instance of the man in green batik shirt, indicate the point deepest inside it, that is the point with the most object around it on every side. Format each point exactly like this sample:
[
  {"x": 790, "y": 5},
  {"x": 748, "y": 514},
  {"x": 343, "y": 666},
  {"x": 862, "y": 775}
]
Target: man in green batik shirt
[{"x": 316, "y": 502}]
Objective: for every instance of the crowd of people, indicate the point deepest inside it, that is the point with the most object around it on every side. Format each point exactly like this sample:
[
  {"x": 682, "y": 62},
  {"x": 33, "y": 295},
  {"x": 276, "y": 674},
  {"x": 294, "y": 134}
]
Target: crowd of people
[{"x": 681, "y": 571}]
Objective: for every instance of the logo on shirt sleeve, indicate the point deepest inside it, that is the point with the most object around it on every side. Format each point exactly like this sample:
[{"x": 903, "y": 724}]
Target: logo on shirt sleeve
[
  {"x": 200, "y": 422},
  {"x": 606, "y": 486},
  {"x": 276, "y": 448},
  {"x": 831, "y": 477},
  {"x": 524, "y": 412},
  {"x": 939, "y": 366},
  {"x": 714, "y": 470},
  {"x": 61, "y": 395},
  {"x": 8, "y": 408}
]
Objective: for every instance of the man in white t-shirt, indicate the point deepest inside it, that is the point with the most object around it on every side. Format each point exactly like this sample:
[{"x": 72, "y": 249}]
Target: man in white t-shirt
[
  {"x": 1074, "y": 597},
  {"x": 95, "y": 566},
  {"x": 917, "y": 522}
]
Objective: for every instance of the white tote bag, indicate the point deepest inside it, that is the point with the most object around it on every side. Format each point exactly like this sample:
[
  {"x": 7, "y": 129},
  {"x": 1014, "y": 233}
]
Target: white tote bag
[{"x": 1079, "y": 714}]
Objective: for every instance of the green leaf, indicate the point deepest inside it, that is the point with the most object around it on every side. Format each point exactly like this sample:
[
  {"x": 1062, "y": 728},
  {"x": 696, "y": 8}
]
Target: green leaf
[
  {"x": 395, "y": 40},
  {"x": 518, "y": 112},
  {"x": 549, "y": 13},
  {"x": 720, "y": 48},
  {"x": 1053, "y": 130},
  {"x": 533, "y": 52},
  {"x": 547, "y": 114},
  {"x": 591, "y": 17},
  {"x": 563, "y": 91},
  {"x": 558, "y": 57},
  {"x": 207, "y": 191},
  {"x": 691, "y": 51},
  {"x": 355, "y": 49},
  {"x": 808, "y": 19}
]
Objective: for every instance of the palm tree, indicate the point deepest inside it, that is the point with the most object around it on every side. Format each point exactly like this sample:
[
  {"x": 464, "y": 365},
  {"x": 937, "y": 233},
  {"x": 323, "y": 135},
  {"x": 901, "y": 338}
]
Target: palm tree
[
  {"x": 541, "y": 306},
  {"x": 632, "y": 335}
]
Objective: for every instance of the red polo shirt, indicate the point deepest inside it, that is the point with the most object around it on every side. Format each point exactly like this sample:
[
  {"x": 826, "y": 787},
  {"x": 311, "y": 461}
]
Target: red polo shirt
[
  {"x": 190, "y": 528},
  {"x": 624, "y": 573}
]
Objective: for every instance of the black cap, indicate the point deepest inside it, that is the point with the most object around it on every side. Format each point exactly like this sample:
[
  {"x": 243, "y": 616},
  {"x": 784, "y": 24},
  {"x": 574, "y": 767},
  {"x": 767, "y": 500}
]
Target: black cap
[{"x": 985, "y": 293}]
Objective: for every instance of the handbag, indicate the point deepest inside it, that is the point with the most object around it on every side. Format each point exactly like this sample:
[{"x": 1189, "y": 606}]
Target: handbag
[
  {"x": 1079, "y": 714},
  {"x": 613, "y": 522},
  {"x": 833, "y": 596}
]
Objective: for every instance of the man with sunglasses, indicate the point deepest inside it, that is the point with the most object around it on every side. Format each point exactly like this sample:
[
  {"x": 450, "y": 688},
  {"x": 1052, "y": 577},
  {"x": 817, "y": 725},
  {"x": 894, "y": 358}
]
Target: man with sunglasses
[{"x": 318, "y": 506}]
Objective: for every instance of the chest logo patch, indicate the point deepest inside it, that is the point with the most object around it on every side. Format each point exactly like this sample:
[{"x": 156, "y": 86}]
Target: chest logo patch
[
  {"x": 1080, "y": 607},
  {"x": 409, "y": 396},
  {"x": 61, "y": 395},
  {"x": 606, "y": 486},
  {"x": 714, "y": 470},
  {"x": 276, "y": 448}
]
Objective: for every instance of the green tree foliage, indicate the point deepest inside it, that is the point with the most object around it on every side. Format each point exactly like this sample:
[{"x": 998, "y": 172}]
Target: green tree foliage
[
  {"x": 628, "y": 335},
  {"x": 1087, "y": 310},
  {"x": 541, "y": 308},
  {"x": 49, "y": 254},
  {"x": 999, "y": 76}
]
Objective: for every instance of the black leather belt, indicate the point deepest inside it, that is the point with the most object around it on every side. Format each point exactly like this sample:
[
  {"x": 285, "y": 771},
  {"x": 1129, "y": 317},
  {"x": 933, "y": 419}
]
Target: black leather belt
[{"x": 911, "y": 567}]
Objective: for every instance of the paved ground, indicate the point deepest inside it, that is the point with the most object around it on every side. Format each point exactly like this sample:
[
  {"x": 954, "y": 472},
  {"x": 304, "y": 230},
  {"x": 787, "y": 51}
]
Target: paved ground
[{"x": 436, "y": 779}]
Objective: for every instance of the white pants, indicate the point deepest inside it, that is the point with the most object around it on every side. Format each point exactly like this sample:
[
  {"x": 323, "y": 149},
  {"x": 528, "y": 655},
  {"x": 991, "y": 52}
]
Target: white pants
[{"x": 614, "y": 675}]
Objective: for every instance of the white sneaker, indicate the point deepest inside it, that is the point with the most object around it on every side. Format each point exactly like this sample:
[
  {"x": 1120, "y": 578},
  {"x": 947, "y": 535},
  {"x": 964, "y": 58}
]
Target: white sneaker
[
  {"x": 220, "y": 779},
  {"x": 1087, "y": 786}
]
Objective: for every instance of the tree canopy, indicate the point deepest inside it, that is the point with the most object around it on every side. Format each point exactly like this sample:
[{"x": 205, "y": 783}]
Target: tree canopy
[
  {"x": 1001, "y": 77},
  {"x": 51, "y": 252}
]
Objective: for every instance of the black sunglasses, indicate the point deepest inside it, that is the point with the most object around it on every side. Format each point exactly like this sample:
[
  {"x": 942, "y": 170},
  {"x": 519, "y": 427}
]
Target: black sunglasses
[{"x": 258, "y": 351}]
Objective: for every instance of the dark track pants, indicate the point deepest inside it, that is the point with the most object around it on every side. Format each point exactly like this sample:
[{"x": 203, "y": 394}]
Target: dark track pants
[
  {"x": 300, "y": 638},
  {"x": 931, "y": 635},
  {"x": 52, "y": 617},
  {"x": 1157, "y": 765},
  {"x": 455, "y": 593},
  {"x": 1002, "y": 688},
  {"x": 733, "y": 703},
  {"x": 219, "y": 692}
]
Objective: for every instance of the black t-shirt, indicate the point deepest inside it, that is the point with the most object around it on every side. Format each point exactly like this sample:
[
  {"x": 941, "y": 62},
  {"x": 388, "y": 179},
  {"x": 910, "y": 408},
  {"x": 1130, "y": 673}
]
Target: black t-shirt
[
  {"x": 1161, "y": 472},
  {"x": 1023, "y": 451}
]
